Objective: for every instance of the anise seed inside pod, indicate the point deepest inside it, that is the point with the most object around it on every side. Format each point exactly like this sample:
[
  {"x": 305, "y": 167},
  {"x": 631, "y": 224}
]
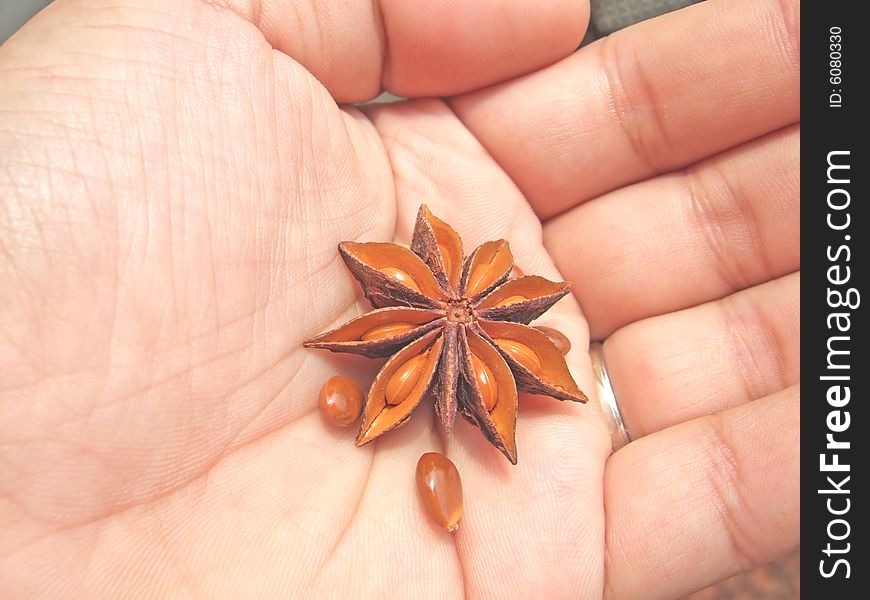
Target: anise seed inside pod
[
  {"x": 478, "y": 276},
  {"x": 559, "y": 339},
  {"x": 511, "y": 300},
  {"x": 403, "y": 380},
  {"x": 440, "y": 489},
  {"x": 341, "y": 400},
  {"x": 521, "y": 353},
  {"x": 386, "y": 330},
  {"x": 400, "y": 276},
  {"x": 485, "y": 382},
  {"x": 446, "y": 260}
]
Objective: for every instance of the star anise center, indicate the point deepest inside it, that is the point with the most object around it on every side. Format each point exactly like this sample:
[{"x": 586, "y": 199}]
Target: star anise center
[{"x": 460, "y": 311}]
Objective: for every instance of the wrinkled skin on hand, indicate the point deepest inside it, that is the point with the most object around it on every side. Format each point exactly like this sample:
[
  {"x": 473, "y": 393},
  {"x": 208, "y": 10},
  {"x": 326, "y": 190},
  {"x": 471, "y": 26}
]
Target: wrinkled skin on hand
[{"x": 174, "y": 180}]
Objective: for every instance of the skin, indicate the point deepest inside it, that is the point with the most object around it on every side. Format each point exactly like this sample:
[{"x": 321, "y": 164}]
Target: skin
[{"x": 174, "y": 179}]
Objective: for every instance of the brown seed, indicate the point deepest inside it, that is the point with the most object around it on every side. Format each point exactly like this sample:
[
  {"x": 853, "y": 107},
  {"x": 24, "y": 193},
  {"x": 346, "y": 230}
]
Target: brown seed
[
  {"x": 511, "y": 300},
  {"x": 477, "y": 278},
  {"x": 482, "y": 275},
  {"x": 522, "y": 354},
  {"x": 403, "y": 380},
  {"x": 486, "y": 382},
  {"x": 440, "y": 489},
  {"x": 401, "y": 277},
  {"x": 490, "y": 262},
  {"x": 386, "y": 330},
  {"x": 446, "y": 260},
  {"x": 557, "y": 337},
  {"x": 341, "y": 400}
]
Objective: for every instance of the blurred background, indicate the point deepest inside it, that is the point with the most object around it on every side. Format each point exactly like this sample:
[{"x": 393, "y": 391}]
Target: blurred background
[
  {"x": 14, "y": 13},
  {"x": 778, "y": 581}
]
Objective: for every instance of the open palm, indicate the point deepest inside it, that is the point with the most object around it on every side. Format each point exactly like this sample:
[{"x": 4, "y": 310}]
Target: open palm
[{"x": 175, "y": 179}]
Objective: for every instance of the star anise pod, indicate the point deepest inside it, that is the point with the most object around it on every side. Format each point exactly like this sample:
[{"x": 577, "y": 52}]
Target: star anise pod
[{"x": 456, "y": 328}]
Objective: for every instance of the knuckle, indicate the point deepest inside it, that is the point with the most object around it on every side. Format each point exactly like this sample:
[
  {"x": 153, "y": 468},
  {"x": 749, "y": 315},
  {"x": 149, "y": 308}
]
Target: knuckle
[
  {"x": 728, "y": 227},
  {"x": 634, "y": 98},
  {"x": 726, "y": 488}
]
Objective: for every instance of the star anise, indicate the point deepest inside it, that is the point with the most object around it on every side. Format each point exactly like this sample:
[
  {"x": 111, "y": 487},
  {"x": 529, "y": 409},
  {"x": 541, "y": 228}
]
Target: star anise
[{"x": 456, "y": 328}]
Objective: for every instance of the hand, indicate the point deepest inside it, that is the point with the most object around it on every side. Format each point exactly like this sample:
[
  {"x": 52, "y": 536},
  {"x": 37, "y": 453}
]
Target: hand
[{"x": 175, "y": 178}]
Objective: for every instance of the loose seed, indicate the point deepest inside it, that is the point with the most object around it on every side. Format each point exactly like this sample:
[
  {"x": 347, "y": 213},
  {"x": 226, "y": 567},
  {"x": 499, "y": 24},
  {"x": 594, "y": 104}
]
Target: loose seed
[
  {"x": 403, "y": 380},
  {"x": 521, "y": 353},
  {"x": 485, "y": 382},
  {"x": 401, "y": 277},
  {"x": 557, "y": 337},
  {"x": 440, "y": 489},
  {"x": 386, "y": 330},
  {"x": 341, "y": 400}
]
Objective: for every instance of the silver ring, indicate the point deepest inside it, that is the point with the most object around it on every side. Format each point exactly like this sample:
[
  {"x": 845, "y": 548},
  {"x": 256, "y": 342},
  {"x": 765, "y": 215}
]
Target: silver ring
[{"x": 618, "y": 433}]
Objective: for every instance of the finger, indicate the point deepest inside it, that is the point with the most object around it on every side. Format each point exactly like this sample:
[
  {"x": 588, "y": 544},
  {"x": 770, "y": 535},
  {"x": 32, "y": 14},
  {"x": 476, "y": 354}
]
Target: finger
[
  {"x": 433, "y": 157},
  {"x": 654, "y": 97},
  {"x": 417, "y": 49},
  {"x": 524, "y": 524},
  {"x": 675, "y": 367},
  {"x": 682, "y": 239},
  {"x": 508, "y": 542},
  {"x": 700, "y": 501},
  {"x": 435, "y": 160}
]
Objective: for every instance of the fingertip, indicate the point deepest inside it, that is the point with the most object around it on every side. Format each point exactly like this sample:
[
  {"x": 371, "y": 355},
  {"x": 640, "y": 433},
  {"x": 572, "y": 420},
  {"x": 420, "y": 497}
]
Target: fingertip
[{"x": 452, "y": 46}]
